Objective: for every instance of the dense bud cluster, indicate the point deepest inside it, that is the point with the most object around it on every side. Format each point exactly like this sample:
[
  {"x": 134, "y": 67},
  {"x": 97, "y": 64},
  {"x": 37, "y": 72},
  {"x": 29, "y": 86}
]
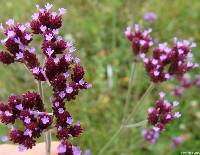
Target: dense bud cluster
[
  {"x": 164, "y": 62},
  {"x": 28, "y": 109},
  {"x": 169, "y": 62},
  {"x": 159, "y": 116},
  {"x": 141, "y": 41},
  {"x": 61, "y": 70}
]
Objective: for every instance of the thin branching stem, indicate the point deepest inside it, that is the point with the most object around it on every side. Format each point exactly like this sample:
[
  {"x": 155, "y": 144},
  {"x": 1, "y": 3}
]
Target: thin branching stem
[
  {"x": 139, "y": 103},
  {"x": 130, "y": 83},
  {"x": 47, "y": 134},
  {"x": 110, "y": 141},
  {"x": 148, "y": 90},
  {"x": 135, "y": 125}
]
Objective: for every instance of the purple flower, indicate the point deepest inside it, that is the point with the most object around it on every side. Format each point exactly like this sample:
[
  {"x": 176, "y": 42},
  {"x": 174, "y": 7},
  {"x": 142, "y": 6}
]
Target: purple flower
[
  {"x": 56, "y": 104},
  {"x": 11, "y": 34},
  {"x": 1, "y": 27},
  {"x": 32, "y": 50},
  {"x": 68, "y": 57},
  {"x": 49, "y": 37},
  {"x": 43, "y": 28},
  {"x": 76, "y": 150},
  {"x": 28, "y": 132},
  {"x": 19, "y": 107},
  {"x": 66, "y": 75},
  {"x": 61, "y": 148},
  {"x": 60, "y": 110},
  {"x": 36, "y": 70},
  {"x": 71, "y": 49},
  {"x": 19, "y": 55},
  {"x": 62, "y": 94},
  {"x": 87, "y": 152},
  {"x": 150, "y": 17},
  {"x": 27, "y": 120},
  {"x": 69, "y": 90},
  {"x": 35, "y": 16},
  {"x": 89, "y": 85},
  {"x": 177, "y": 141},
  {"x": 28, "y": 37},
  {"x": 45, "y": 120},
  {"x": 4, "y": 139},
  {"x": 177, "y": 114},
  {"x": 10, "y": 126},
  {"x": 69, "y": 120},
  {"x": 62, "y": 11},
  {"x": 48, "y": 6},
  {"x": 175, "y": 103},
  {"x": 10, "y": 22},
  {"x": 49, "y": 51},
  {"x": 7, "y": 113},
  {"x": 81, "y": 82},
  {"x": 21, "y": 148},
  {"x": 151, "y": 135},
  {"x": 77, "y": 60}
]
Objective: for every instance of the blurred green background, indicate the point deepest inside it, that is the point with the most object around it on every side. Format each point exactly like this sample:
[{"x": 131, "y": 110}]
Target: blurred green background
[{"x": 97, "y": 27}]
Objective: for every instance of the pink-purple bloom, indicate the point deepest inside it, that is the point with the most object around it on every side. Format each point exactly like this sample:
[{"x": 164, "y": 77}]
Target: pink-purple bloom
[
  {"x": 150, "y": 17},
  {"x": 161, "y": 114},
  {"x": 61, "y": 70},
  {"x": 177, "y": 141}
]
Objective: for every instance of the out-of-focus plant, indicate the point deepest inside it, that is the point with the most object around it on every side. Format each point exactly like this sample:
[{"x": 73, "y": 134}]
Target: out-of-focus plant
[
  {"x": 59, "y": 68},
  {"x": 150, "y": 17},
  {"x": 164, "y": 63}
]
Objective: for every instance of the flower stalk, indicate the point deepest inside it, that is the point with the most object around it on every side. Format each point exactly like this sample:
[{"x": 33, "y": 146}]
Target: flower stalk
[
  {"x": 131, "y": 78},
  {"x": 47, "y": 134},
  {"x": 47, "y": 138},
  {"x": 139, "y": 103},
  {"x": 122, "y": 126},
  {"x": 135, "y": 125}
]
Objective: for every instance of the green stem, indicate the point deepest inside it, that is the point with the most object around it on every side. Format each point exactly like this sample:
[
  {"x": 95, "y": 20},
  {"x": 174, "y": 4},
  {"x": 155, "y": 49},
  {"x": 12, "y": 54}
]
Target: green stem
[
  {"x": 118, "y": 132},
  {"x": 125, "y": 110},
  {"x": 110, "y": 141},
  {"x": 135, "y": 125},
  {"x": 139, "y": 103},
  {"x": 47, "y": 137},
  {"x": 127, "y": 102},
  {"x": 47, "y": 134}
]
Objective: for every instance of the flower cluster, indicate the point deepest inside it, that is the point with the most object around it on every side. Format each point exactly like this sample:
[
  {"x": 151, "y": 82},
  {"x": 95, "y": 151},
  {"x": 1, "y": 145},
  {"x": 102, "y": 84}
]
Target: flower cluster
[
  {"x": 28, "y": 109},
  {"x": 164, "y": 62},
  {"x": 167, "y": 62},
  {"x": 141, "y": 41},
  {"x": 185, "y": 83},
  {"x": 61, "y": 70},
  {"x": 159, "y": 116}
]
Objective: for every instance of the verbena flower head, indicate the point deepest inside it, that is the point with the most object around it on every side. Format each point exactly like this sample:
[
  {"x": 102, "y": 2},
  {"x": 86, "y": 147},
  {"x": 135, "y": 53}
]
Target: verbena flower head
[
  {"x": 150, "y": 17},
  {"x": 164, "y": 62},
  {"x": 159, "y": 116},
  {"x": 167, "y": 62},
  {"x": 141, "y": 40},
  {"x": 177, "y": 141},
  {"x": 61, "y": 70}
]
